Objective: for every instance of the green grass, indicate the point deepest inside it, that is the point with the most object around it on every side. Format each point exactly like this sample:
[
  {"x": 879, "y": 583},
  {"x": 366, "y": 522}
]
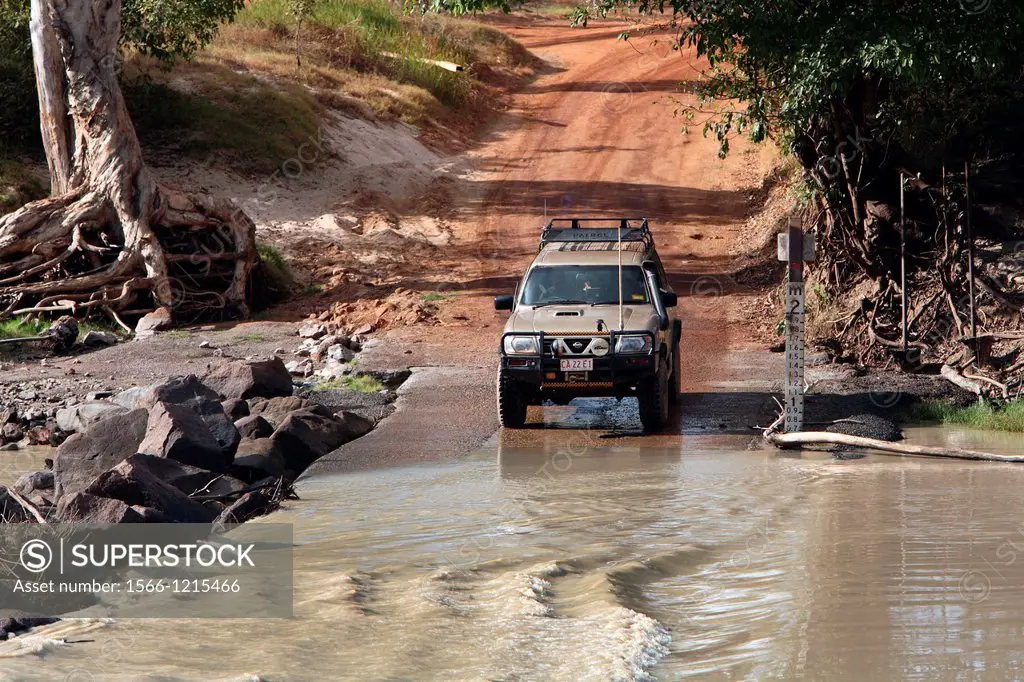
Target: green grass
[
  {"x": 276, "y": 266},
  {"x": 360, "y": 31},
  {"x": 313, "y": 290},
  {"x": 1007, "y": 417},
  {"x": 250, "y": 337},
  {"x": 359, "y": 383},
  {"x": 18, "y": 328},
  {"x": 434, "y": 296}
]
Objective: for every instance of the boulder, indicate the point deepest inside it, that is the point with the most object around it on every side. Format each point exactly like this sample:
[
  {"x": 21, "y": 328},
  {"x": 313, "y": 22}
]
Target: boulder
[
  {"x": 307, "y": 435},
  {"x": 80, "y": 417},
  {"x": 236, "y": 408},
  {"x": 258, "y": 459},
  {"x": 98, "y": 339},
  {"x": 192, "y": 393},
  {"x": 132, "y": 398},
  {"x": 312, "y": 330},
  {"x": 254, "y": 426},
  {"x": 85, "y": 508},
  {"x": 251, "y": 379},
  {"x": 8, "y": 414},
  {"x": 275, "y": 410},
  {"x": 340, "y": 353},
  {"x": 135, "y": 483},
  {"x": 10, "y": 510},
  {"x": 184, "y": 390},
  {"x": 36, "y": 481},
  {"x": 391, "y": 378},
  {"x": 193, "y": 480},
  {"x": 12, "y": 433},
  {"x": 84, "y": 456},
  {"x": 179, "y": 433},
  {"x": 357, "y": 425},
  {"x": 300, "y": 368},
  {"x": 158, "y": 320},
  {"x": 248, "y": 506},
  {"x": 221, "y": 425}
]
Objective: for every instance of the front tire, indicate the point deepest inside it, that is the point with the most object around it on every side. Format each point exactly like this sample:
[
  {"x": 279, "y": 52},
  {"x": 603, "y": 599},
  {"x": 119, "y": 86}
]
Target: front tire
[
  {"x": 652, "y": 395},
  {"x": 511, "y": 402},
  {"x": 675, "y": 382}
]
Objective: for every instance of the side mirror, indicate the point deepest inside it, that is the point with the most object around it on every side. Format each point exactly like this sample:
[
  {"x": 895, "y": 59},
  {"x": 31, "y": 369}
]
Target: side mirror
[
  {"x": 504, "y": 302},
  {"x": 669, "y": 299}
]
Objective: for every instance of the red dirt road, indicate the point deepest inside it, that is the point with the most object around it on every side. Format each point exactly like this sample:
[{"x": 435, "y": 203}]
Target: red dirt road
[{"x": 595, "y": 134}]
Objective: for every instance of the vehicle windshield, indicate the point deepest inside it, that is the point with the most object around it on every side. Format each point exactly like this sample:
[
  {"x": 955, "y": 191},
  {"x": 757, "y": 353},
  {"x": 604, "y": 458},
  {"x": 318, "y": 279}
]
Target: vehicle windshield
[{"x": 590, "y": 284}]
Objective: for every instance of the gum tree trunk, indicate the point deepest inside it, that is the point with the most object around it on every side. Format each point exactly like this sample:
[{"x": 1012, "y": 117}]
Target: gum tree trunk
[{"x": 109, "y": 236}]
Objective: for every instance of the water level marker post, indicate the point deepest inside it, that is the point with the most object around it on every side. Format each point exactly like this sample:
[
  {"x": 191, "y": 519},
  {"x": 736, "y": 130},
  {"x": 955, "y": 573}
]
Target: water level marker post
[{"x": 795, "y": 247}]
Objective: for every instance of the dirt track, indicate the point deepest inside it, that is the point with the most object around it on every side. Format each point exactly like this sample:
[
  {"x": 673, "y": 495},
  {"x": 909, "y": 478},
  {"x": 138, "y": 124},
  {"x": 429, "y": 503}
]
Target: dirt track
[{"x": 594, "y": 134}]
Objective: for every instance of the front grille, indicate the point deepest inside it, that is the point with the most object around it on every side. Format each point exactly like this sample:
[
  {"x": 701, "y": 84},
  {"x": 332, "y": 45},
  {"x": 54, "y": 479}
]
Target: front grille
[{"x": 571, "y": 346}]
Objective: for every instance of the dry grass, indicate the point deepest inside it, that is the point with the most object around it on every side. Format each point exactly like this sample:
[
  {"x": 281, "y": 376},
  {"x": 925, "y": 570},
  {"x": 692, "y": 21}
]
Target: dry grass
[
  {"x": 18, "y": 185},
  {"x": 246, "y": 98}
]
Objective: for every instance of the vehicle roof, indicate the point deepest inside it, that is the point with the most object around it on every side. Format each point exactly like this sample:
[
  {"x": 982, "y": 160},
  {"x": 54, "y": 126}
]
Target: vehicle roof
[{"x": 591, "y": 253}]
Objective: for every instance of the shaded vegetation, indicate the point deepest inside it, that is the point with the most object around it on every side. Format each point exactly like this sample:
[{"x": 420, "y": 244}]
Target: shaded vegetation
[{"x": 1006, "y": 417}]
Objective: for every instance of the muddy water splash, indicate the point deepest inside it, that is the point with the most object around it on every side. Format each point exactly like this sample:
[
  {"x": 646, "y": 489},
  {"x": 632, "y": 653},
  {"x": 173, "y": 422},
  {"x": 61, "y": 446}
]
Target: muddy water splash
[{"x": 615, "y": 564}]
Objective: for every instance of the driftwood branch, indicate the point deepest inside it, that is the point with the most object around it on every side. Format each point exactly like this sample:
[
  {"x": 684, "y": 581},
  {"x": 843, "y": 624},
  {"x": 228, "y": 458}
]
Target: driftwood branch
[
  {"x": 26, "y": 505},
  {"x": 960, "y": 380},
  {"x": 789, "y": 440}
]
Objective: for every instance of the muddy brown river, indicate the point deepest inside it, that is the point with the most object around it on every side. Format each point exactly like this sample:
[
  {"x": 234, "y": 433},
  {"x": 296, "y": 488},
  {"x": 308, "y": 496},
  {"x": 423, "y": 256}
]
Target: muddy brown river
[{"x": 579, "y": 562}]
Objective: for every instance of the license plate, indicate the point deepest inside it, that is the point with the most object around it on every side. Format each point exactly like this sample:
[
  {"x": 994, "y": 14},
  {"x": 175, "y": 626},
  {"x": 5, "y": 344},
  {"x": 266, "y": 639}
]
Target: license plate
[{"x": 576, "y": 364}]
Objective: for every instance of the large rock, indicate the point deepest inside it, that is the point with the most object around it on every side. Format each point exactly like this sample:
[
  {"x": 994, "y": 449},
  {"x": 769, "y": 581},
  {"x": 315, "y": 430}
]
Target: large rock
[
  {"x": 85, "y": 508},
  {"x": 254, "y": 426},
  {"x": 184, "y": 390},
  {"x": 158, "y": 320},
  {"x": 98, "y": 339},
  {"x": 135, "y": 483},
  {"x": 191, "y": 479},
  {"x": 132, "y": 398},
  {"x": 275, "y": 410},
  {"x": 10, "y": 510},
  {"x": 36, "y": 481},
  {"x": 307, "y": 435},
  {"x": 259, "y": 459},
  {"x": 192, "y": 393},
  {"x": 254, "y": 379},
  {"x": 179, "y": 433},
  {"x": 11, "y": 433},
  {"x": 236, "y": 408},
  {"x": 80, "y": 417},
  {"x": 84, "y": 456},
  {"x": 248, "y": 506}
]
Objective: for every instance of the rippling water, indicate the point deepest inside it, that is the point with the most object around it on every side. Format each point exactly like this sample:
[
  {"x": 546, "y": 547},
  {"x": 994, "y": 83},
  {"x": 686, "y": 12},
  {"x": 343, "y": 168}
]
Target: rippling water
[{"x": 616, "y": 564}]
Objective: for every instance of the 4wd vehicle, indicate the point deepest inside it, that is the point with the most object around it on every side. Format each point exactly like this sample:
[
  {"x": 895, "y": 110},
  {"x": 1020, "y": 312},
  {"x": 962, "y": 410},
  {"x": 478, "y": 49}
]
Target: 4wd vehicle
[{"x": 592, "y": 317}]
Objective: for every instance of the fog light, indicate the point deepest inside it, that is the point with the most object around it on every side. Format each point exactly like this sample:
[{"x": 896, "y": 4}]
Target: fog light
[{"x": 520, "y": 362}]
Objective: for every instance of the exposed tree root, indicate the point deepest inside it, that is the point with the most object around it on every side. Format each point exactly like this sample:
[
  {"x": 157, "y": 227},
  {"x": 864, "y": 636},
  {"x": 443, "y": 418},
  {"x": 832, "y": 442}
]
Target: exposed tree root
[
  {"x": 110, "y": 239},
  {"x": 69, "y": 255}
]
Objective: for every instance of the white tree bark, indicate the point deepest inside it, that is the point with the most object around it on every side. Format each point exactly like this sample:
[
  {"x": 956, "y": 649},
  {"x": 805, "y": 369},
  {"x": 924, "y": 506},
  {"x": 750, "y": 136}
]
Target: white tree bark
[{"x": 109, "y": 232}]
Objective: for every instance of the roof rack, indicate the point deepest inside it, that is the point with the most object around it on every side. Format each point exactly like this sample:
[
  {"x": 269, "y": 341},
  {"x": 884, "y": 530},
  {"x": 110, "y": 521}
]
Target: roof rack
[{"x": 597, "y": 230}]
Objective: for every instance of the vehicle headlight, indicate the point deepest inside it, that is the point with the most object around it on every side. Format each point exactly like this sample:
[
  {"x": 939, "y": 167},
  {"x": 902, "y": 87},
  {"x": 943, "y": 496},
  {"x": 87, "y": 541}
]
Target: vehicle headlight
[
  {"x": 633, "y": 344},
  {"x": 521, "y": 345}
]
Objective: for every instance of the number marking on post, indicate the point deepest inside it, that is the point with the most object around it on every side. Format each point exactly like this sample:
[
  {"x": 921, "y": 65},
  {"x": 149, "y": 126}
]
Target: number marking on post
[{"x": 795, "y": 338}]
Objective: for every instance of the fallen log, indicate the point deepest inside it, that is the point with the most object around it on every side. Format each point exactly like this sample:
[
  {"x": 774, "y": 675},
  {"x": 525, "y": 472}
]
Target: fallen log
[{"x": 790, "y": 440}]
